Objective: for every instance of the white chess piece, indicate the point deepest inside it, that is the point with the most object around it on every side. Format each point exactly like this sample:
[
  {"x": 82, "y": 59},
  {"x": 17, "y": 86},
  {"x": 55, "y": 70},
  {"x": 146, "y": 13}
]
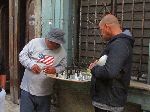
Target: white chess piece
[
  {"x": 76, "y": 76},
  {"x": 102, "y": 60},
  {"x": 60, "y": 76}
]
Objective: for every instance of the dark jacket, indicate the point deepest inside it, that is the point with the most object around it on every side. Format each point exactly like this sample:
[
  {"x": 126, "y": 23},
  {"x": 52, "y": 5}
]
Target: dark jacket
[{"x": 109, "y": 83}]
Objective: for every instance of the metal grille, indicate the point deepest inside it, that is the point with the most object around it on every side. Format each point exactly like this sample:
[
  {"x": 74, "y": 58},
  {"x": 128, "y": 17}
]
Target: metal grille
[
  {"x": 90, "y": 42},
  {"x": 132, "y": 14}
]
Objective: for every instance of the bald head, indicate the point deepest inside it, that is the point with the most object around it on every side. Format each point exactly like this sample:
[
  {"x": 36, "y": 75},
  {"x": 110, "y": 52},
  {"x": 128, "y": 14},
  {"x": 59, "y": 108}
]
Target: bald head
[
  {"x": 109, "y": 19},
  {"x": 109, "y": 26}
]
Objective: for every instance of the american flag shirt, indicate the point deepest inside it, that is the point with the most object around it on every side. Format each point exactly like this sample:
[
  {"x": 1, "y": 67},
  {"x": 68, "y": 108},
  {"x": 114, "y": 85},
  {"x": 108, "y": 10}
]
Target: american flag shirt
[{"x": 45, "y": 59}]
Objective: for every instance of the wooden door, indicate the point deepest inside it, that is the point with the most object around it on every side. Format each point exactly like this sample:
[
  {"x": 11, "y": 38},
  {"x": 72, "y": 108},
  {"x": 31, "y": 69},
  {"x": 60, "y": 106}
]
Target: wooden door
[{"x": 4, "y": 35}]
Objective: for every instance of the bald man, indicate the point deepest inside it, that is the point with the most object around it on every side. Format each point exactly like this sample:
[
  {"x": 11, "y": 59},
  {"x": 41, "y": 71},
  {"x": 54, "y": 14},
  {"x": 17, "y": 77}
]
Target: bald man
[{"x": 110, "y": 81}]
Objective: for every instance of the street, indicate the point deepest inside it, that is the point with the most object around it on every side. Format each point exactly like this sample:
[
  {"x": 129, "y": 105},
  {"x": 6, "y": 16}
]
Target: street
[{"x": 10, "y": 106}]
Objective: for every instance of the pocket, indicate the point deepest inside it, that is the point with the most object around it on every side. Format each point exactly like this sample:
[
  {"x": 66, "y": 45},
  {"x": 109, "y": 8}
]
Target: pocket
[
  {"x": 92, "y": 88},
  {"x": 119, "y": 93}
]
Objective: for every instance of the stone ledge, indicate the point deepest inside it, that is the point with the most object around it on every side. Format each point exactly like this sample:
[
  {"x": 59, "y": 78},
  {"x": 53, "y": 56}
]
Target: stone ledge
[
  {"x": 139, "y": 93},
  {"x": 139, "y": 85}
]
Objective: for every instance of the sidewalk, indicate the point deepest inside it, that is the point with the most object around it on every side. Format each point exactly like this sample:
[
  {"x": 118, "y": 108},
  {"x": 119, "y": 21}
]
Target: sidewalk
[{"x": 10, "y": 106}]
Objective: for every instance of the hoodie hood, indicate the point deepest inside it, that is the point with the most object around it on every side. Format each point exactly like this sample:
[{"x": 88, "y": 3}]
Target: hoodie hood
[
  {"x": 129, "y": 36},
  {"x": 125, "y": 34}
]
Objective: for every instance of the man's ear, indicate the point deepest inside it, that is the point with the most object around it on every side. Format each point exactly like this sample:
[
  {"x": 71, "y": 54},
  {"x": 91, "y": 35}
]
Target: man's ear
[{"x": 107, "y": 26}]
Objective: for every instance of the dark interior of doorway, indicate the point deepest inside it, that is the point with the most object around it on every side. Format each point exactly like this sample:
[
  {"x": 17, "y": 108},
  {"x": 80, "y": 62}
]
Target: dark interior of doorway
[
  {"x": 5, "y": 36},
  {"x": 22, "y": 28}
]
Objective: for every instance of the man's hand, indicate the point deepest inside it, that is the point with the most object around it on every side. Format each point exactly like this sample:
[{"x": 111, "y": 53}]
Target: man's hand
[
  {"x": 36, "y": 69},
  {"x": 50, "y": 70},
  {"x": 93, "y": 64}
]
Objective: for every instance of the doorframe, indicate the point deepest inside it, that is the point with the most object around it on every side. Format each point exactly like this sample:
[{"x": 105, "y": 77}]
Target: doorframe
[
  {"x": 13, "y": 50},
  {"x": 14, "y": 47}
]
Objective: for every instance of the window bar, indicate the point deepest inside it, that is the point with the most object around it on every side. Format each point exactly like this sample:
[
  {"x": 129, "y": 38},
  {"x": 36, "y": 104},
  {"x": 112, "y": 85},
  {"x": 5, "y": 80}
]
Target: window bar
[
  {"x": 80, "y": 33},
  {"x": 122, "y": 9},
  {"x": 132, "y": 15},
  {"x": 62, "y": 15},
  {"x": 60, "y": 19},
  {"x": 148, "y": 77},
  {"x": 54, "y": 12},
  {"x": 87, "y": 33},
  {"x": 114, "y": 7},
  {"x": 73, "y": 37},
  {"x": 104, "y": 13},
  {"x": 95, "y": 29},
  {"x": 141, "y": 49}
]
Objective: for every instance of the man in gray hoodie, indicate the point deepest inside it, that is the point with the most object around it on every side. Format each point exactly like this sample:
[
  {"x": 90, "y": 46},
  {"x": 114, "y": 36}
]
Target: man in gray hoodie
[{"x": 41, "y": 56}]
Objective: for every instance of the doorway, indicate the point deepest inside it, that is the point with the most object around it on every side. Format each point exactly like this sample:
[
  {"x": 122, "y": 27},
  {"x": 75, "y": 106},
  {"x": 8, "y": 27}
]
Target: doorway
[
  {"x": 4, "y": 35},
  {"x": 27, "y": 27}
]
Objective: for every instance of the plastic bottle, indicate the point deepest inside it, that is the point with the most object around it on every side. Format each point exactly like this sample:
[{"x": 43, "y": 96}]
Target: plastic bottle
[
  {"x": 102, "y": 60},
  {"x": 2, "y": 100}
]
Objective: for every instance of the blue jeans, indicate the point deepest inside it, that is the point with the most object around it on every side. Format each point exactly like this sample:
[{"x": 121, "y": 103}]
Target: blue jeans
[{"x": 32, "y": 103}]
